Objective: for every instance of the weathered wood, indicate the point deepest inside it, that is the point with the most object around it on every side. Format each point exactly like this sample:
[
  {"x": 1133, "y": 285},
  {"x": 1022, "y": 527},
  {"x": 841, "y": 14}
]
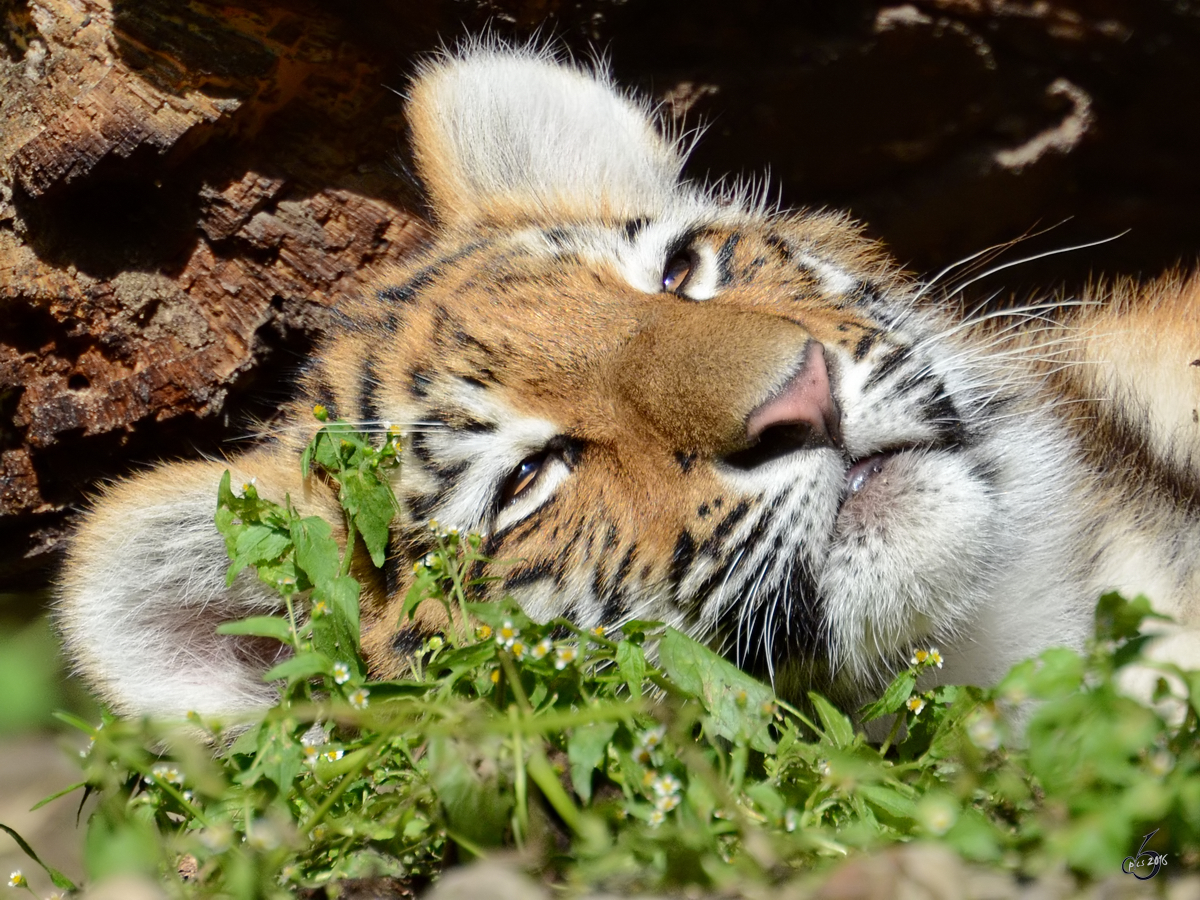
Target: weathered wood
[{"x": 188, "y": 188}]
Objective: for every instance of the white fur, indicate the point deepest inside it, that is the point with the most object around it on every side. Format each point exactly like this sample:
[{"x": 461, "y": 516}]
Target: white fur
[
  {"x": 523, "y": 126},
  {"x": 142, "y": 604}
]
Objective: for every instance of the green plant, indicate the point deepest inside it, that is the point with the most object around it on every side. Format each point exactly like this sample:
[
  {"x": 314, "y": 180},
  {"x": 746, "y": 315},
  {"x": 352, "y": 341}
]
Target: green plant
[{"x": 631, "y": 760}]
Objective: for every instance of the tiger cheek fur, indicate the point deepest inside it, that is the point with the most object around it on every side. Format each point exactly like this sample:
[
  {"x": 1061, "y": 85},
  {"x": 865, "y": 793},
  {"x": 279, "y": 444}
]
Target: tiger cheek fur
[{"x": 655, "y": 400}]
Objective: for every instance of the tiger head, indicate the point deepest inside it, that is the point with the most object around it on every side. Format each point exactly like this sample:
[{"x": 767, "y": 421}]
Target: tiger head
[{"x": 656, "y": 400}]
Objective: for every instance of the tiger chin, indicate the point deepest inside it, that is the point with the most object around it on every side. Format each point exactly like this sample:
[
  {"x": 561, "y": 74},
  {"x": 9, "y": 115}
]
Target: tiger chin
[{"x": 666, "y": 401}]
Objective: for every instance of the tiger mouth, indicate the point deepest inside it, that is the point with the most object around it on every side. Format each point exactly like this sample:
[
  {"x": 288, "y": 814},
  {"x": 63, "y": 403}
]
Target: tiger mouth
[{"x": 862, "y": 472}]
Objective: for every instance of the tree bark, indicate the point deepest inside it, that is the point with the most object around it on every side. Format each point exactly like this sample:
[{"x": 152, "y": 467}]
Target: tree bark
[{"x": 188, "y": 189}]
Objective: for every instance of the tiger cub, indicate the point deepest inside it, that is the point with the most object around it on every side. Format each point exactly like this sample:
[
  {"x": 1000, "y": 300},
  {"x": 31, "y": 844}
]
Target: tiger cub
[{"x": 664, "y": 401}]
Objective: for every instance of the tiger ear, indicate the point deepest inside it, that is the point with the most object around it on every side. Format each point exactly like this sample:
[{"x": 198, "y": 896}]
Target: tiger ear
[{"x": 498, "y": 132}]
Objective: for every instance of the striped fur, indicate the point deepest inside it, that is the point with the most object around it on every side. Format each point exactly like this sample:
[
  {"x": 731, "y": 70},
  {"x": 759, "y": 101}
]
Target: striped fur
[{"x": 589, "y": 328}]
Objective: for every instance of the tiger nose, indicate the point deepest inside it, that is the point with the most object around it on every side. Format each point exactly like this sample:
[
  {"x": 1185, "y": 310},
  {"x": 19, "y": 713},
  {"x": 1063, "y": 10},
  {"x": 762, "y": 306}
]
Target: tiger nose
[{"x": 803, "y": 403}]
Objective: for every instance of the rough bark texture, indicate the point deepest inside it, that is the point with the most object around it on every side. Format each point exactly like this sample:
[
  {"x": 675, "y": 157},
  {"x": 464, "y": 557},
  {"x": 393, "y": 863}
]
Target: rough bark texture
[{"x": 187, "y": 189}]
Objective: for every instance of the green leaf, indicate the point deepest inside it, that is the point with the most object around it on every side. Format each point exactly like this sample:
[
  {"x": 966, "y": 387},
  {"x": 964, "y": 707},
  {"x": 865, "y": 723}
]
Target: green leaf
[
  {"x": 342, "y": 593},
  {"x": 302, "y": 665},
  {"x": 325, "y": 451},
  {"x": 316, "y": 550},
  {"x": 631, "y": 663},
  {"x": 587, "y": 748},
  {"x": 61, "y": 881},
  {"x": 736, "y": 702},
  {"x": 260, "y": 544},
  {"x": 477, "y": 804},
  {"x": 837, "y": 727},
  {"x": 260, "y": 626},
  {"x": 1120, "y": 619},
  {"x": 1059, "y": 673},
  {"x": 372, "y": 507},
  {"x": 279, "y": 759},
  {"x": 67, "y": 790},
  {"x": 888, "y": 800},
  {"x": 893, "y": 698}
]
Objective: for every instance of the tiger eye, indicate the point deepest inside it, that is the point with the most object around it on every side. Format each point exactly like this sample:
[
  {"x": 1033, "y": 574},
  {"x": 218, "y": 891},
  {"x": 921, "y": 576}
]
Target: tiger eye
[
  {"x": 522, "y": 477},
  {"x": 678, "y": 270}
]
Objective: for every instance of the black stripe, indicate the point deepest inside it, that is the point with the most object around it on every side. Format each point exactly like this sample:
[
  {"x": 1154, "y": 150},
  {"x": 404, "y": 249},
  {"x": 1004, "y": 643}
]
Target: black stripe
[
  {"x": 725, "y": 258},
  {"x": 532, "y": 574},
  {"x": 726, "y": 525},
  {"x": 407, "y": 641},
  {"x": 407, "y": 292},
  {"x": 419, "y": 384},
  {"x": 420, "y": 505},
  {"x": 887, "y": 365},
  {"x": 448, "y": 472},
  {"x": 391, "y": 568},
  {"x": 368, "y": 385},
  {"x": 494, "y": 541},
  {"x": 634, "y": 227},
  {"x": 559, "y": 237},
  {"x": 681, "y": 558},
  {"x": 321, "y": 391},
  {"x": 780, "y": 246},
  {"x": 865, "y": 343},
  {"x": 419, "y": 445}
]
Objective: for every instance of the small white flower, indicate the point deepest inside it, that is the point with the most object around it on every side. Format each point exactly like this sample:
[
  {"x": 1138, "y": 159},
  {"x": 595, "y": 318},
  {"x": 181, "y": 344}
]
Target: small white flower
[
  {"x": 652, "y": 737},
  {"x": 542, "y": 648},
  {"x": 358, "y": 698},
  {"x": 165, "y": 772},
  {"x": 311, "y": 754},
  {"x": 929, "y": 655},
  {"x": 656, "y": 817},
  {"x": 333, "y": 755},
  {"x": 16, "y": 879},
  {"x": 667, "y": 802},
  {"x": 507, "y": 634},
  {"x": 665, "y": 785},
  {"x": 564, "y": 655},
  {"x": 915, "y": 705},
  {"x": 341, "y": 673},
  {"x": 517, "y": 648}
]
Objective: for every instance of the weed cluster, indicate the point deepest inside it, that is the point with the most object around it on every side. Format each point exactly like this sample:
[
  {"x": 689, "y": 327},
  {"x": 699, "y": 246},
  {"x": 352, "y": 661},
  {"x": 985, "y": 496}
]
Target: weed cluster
[{"x": 629, "y": 760}]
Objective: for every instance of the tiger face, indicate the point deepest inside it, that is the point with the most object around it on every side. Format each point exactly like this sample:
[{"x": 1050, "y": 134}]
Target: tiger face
[
  {"x": 656, "y": 400},
  {"x": 657, "y": 404}
]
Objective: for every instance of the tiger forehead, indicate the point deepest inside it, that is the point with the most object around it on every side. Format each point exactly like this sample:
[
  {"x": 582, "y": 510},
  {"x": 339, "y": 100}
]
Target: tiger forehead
[{"x": 569, "y": 268}]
